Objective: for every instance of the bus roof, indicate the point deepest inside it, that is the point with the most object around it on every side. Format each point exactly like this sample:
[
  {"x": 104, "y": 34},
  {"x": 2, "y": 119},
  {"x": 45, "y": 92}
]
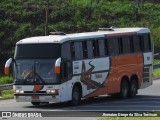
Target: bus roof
[{"x": 85, "y": 35}]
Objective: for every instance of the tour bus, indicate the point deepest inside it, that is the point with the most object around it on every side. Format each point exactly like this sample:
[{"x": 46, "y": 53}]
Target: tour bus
[{"x": 67, "y": 67}]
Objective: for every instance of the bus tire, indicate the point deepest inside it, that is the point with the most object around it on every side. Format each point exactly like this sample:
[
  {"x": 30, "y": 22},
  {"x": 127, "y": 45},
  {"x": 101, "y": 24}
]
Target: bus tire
[
  {"x": 133, "y": 88},
  {"x": 76, "y": 96},
  {"x": 35, "y": 103},
  {"x": 124, "y": 89}
]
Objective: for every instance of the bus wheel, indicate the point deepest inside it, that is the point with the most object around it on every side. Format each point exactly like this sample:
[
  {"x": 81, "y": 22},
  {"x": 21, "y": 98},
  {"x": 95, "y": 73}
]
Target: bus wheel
[
  {"x": 35, "y": 103},
  {"x": 124, "y": 89},
  {"x": 133, "y": 88},
  {"x": 76, "y": 96}
]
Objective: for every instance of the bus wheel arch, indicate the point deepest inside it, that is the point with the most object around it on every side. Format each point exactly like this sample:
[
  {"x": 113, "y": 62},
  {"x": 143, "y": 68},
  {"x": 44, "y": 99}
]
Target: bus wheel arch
[
  {"x": 124, "y": 87},
  {"x": 133, "y": 86},
  {"x": 76, "y": 94}
]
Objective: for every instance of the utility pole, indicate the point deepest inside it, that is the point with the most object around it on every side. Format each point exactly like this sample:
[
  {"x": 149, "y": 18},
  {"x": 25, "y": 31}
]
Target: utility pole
[
  {"x": 47, "y": 17},
  {"x": 136, "y": 9}
]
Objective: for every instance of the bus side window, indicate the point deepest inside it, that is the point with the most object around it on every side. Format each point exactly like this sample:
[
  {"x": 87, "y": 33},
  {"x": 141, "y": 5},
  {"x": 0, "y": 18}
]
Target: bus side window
[
  {"x": 72, "y": 46},
  {"x": 141, "y": 42},
  {"x": 77, "y": 50},
  {"x": 149, "y": 40},
  {"x": 90, "y": 49},
  {"x": 116, "y": 46},
  {"x": 147, "y": 43},
  {"x": 136, "y": 43},
  {"x": 65, "y": 51},
  {"x": 120, "y": 45},
  {"x": 126, "y": 44},
  {"x": 101, "y": 47},
  {"x": 131, "y": 44},
  {"x": 95, "y": 48},
  {"x": 111, "y": 46},
  {"x": 85, "y": 50},
  {"x": 66, "y": 70},
  {"x": 106, "y": 47}
]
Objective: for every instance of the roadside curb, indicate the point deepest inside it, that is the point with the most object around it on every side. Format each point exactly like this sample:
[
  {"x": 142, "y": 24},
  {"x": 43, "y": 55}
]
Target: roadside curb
[
  {"x": 1, "y": 98},
  {"x": 156, "y": 78}
]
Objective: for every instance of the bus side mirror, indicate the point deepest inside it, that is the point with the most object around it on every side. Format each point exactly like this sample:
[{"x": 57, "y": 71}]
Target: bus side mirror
[
  {"x": 58, "y": 66},
  {"x": 7, "y": 65}
]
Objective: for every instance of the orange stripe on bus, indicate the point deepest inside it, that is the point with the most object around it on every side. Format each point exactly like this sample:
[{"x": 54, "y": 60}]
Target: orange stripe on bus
[
  {"x": 37, "y": 87},
  {"x": 6, "y": 70},
  {"x": 57, "y": 69}
]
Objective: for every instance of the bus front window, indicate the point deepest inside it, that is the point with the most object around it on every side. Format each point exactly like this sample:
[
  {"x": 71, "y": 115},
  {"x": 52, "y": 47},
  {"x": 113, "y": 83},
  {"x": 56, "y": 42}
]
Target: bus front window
[
  {"x": 35, "y": 71},
  {"x": 23, "y": 69},
  {"x": 45, "y": 69}
]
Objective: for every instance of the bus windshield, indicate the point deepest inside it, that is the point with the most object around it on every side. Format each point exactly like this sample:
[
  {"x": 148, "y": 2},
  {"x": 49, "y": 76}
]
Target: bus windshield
[{"x": 39, "y": 71}]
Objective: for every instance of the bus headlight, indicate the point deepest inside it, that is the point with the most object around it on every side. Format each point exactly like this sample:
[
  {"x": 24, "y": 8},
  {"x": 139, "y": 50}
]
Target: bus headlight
[
  {"x": 52, "y": 91},
  {"x": 18, "y": 91}
]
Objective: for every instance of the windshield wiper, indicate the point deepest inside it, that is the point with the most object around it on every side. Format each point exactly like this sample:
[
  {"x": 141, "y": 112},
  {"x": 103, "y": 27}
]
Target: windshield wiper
[{"x": 37, "y": 77}]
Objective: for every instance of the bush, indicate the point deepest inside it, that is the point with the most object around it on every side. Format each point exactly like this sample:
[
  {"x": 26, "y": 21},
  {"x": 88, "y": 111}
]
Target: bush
[
  {"x": 7, "y": 94},
  {"x": 6, "y": 80},
  {"x": 156, "y": 73}
]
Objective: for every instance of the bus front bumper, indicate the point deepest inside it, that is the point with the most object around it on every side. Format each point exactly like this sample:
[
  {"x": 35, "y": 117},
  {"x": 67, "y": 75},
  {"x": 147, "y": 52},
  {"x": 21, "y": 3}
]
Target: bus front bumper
[{"x": 36, "y": 98}]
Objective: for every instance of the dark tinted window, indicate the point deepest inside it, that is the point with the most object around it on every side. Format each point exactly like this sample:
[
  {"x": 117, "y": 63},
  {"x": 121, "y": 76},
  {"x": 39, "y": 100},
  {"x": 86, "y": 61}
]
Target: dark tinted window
[
  {"x": 78, "y": 50},
  {"x": 141, "y": 43},
  {"x": 90, "y": 49},
  {"x": 136, "y": 43},
  {"x": 65, "y": 51},
  {"x": 147, "y": 43},
  {"x": 72, "y": 49},
  {"x": 101, "y": 47},
  {"x": 116, "y": 46},
  {"x": 66, "y": 70},
  {"x": 126, "y": 44},
  {"x": 106, "y": 47},
  {"x": 111, "y": 44},
  {"x": 84, "y": 47},
  {"x": 131, "y": 44},
  {"x": 120, "y": 44},
  {"x": 95, "y": 48},
  {"x": 38, "y": 51}
]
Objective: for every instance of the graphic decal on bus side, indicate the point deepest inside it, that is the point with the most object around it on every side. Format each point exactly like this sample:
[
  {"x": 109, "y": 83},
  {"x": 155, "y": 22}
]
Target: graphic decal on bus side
[{"x": 86, "y": 77}]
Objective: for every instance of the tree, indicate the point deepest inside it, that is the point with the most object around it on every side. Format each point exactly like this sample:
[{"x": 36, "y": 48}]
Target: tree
[{"x": 43, "y": 5}]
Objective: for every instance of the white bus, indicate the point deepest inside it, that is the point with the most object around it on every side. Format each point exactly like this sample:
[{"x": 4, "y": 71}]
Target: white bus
[{"x": 68, "y": 67}]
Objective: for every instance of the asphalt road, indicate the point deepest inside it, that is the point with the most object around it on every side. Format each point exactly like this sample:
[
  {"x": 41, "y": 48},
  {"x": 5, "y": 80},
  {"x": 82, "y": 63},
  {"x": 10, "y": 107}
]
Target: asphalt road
[{"x": 148, "y": 99}]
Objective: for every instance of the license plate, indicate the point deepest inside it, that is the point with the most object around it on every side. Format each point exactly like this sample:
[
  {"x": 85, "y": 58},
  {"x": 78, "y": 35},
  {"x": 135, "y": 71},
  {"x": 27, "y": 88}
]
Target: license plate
[{"x": 35, "y": 97}]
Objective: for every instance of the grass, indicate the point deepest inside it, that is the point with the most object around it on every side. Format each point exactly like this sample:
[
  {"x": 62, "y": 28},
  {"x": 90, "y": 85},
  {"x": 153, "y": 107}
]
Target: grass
[
  {"x": 6, "y": 80},
  {"x": 7, "y": 94},
  {"x": 156, "y": 61},
  {"x": 156, "y": 73}
]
